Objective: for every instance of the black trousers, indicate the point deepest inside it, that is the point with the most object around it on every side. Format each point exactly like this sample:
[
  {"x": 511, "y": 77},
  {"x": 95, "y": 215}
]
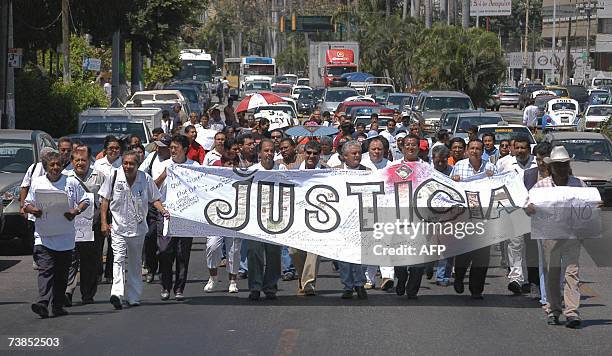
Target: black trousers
[
  {"x": 105, "y": 269},
  {"x": 414, "y": 281},
  {"x": 85, "y": 262},
  {"x": 52, "y": 275},
  {"x": 179, "y": 250},
  {"x": 151, "y": 259},
  {"x": 479, "y": 259}
]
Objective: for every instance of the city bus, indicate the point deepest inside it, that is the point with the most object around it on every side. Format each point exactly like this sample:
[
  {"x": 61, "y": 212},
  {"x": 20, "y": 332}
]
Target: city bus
[
  {"x": 197, "y": 65},
  {"x": 231, "y": 71},
  {"x": 257, "y": 68}
]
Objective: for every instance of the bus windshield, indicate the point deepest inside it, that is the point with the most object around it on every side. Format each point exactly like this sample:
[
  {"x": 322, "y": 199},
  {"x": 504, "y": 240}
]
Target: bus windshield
[
  {"x": 195, "y": 70},
  {"x": 258, "y": 69}
]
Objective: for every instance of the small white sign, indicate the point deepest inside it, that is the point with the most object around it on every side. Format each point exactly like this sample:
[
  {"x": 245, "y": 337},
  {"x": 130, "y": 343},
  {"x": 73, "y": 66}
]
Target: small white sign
[
  {"x": 490, "y": 8},
  {"x": 93, "y": 64}
]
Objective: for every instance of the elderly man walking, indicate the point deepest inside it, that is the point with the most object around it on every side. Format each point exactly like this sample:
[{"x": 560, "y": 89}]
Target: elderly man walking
[
  {"x": 128, "y": 193},
  {"x": 53, "y": 252}
]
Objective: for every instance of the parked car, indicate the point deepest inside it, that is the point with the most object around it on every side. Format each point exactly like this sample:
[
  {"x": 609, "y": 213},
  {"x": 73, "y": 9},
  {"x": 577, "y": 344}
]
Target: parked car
[
  {"x": 449, "y": 117},
  {"x": 591, "y": 154},
  {"x": 505, "y": 131},
  {"x": 505, "y": 95},
  {"x": 429, "y": 105},
  {"x": 296, "y": 90},
  {"x": 598, "y": 97},
  {"x": 19, "y": 149},
  {"x": 256, "y": 86},
  {"x": 525, "y": 98},
  {"x": 466, "y": 120},
  {"x": 594, "y": 116},
  {"x": 580, "y": 94},
  {"x": 333, "y": 96},
  {"x": 195, "y": 100},
  {"x": 306, "y": 102},
  {"x": 560, "y": 114},
  {"x": 120, "y": 121}
]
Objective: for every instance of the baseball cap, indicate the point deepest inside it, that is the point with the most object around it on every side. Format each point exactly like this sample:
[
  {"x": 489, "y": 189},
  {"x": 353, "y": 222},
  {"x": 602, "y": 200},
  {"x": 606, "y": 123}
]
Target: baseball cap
[{"x": 164, "y": 141}]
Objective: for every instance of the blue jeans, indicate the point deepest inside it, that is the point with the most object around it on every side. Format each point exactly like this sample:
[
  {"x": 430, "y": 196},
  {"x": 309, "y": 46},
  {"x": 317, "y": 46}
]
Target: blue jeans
[
  {"x": 286, "y": 261},
  {"x": 444, "y": 270},
  {"x": 244, "y": 248},
  {"x": 352, "y": 275}
]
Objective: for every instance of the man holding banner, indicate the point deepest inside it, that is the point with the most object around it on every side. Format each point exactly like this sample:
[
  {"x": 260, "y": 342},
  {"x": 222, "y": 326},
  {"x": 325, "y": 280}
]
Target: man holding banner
[
  {"x": 352, "y": 275},
  {"x": 264, "y": 259},
  {"x": 469, "y": 167},
  {"x": 560, "y": 250}
]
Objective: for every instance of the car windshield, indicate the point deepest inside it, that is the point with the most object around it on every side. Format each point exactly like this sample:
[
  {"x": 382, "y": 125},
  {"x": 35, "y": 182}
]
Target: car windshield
[
  {"x": 542, "y": 100},
  {"x": 439, "y": 103},
  {"x": 95, "y": 143},
  {"x": 306, "y": 94},
  {"x": 257, "y": 86},
  {"x": 464, "y": 123},
  {"x": 506, "y": 133},
  {"x": 166, "y": 97},
  {"x": 379, "y": 89},
  {"x": 338, "y": 71},
  {"x": 303, "y": 82},
  {"x": 603, "y": 81},
  {"x": 407, "y": 102},
  {"x": 449, "y": 120},
  {"x": 190, "y": 94},
  {"x": 509, "y": 90},
  {"x": 336, "y": 96},
  {"x": 599, "y": 111},
  {"x": 281, "y": 89},
  {"x": 531, "y": 88},
  {"x": 286, "y": 109},
  {"x": 599, "y": 98},
  {"x": 298, "y": 90},
  {"x": 587, "y": 149},
  {"x": 395, "y": 99},
  {"x": 563, "y": 106},
  {"x": 115, "y": 128},
  {"x": 559, "y": 91},
  {"x": 318, "y": 93},
  {"x": 143, "y": 97},
  {"x": 382, "y": 122},
  {"x": 16, "y": 156}
]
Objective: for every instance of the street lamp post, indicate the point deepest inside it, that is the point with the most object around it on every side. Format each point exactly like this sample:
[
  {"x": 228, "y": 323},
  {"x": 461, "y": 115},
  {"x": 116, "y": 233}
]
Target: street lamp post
[
  {"x": 526, "y": 42},
  {"x": 587, "y": 8}
]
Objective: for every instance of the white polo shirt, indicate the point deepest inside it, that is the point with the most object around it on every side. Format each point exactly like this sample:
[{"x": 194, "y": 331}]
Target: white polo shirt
[
  {"x": 157, "y": 167},
  {"x": 76, "y": 195},
  {"x": 211, "y": 157},
  {"x": 512, "y": 164},
  {"x": 105, "y": 167},
  {"x": 129, "y": 205}
]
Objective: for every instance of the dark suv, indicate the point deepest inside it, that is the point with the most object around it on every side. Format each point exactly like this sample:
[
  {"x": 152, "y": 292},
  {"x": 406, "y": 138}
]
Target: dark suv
[{"x": 525, "y": 94}]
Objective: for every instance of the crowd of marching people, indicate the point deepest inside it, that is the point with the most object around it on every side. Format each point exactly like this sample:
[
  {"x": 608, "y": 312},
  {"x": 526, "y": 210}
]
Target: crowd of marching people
[{"x": 128, "y": 182}]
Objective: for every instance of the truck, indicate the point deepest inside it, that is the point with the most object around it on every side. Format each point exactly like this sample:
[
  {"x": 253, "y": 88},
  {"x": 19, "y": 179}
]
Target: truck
[
  {"x": 327, "y": 61},
  {"x": 120, "y": 121}
]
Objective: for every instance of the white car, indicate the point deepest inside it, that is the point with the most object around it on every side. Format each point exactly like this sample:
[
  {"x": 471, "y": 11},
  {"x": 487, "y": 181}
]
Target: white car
[
  {"x": 537, "y": 93},
  {"x": 594, "y": 116},
  {"x": 303, "y": 81},
  {"x": 360, "y": 98},
  {"x": 560, "y": 114},
  {"x": 280, "y": 115},
  {"x": 505, "y": 131},
  {"x": 296, "y": 90}
]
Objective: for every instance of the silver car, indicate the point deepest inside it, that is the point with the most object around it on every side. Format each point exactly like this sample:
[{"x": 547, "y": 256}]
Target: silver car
[
  {"x": 591, "y": 154},
  {"x": 333, "y": 96},
  {"x": 18, "y": 150}
]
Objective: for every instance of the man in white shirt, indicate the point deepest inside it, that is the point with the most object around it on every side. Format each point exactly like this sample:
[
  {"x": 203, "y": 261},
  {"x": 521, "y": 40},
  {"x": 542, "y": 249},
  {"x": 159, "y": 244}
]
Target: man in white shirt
[
  {"x": 215, "y": 154},
  {"x": 154, "y": 166},
  {"x": 352, "y": 275},
  {"x": 264, "y": 259},
  {"x": 520, "y": 162},
  {"x": 112, "y": 156},
  {"x": 378, "y": 149},
  {"x": 128, "y": 194},
  {"x": 530, "y": 117},
  {"x": 177, "y": 248},
  {"x": 53, "y": 253}
]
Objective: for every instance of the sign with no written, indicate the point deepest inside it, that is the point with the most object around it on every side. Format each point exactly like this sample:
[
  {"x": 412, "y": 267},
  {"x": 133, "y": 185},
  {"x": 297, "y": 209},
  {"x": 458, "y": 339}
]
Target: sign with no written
[{"x": 490, "y": 8}]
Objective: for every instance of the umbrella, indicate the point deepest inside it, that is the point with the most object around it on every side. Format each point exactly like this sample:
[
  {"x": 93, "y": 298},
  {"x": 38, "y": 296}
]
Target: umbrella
[
  {"x": 254, "y": 100},
  {"x": 311, "y": 131}
]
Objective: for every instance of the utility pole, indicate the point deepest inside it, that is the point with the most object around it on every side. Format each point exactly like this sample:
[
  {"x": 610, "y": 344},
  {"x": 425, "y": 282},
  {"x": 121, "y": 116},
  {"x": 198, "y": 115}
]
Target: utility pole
[
  {"x": 428, "y": 14},
  {"x": 465, "y": 14},
  {"x": 567, "y": 53},
  {"x": 116, "y": 74},
  {"x": 7, "y": 98},
  {"x": 526, "y": 42},
  {"x": 66, "y": 41},
  {"x": 588, "y": 7}
]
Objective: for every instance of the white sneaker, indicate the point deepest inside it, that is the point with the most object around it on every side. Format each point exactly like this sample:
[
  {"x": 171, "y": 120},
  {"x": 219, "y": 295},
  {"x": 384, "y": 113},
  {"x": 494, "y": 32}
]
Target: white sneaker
[
  {"x": 233, "y": 287},
  {"x": 210, "y": 286}
]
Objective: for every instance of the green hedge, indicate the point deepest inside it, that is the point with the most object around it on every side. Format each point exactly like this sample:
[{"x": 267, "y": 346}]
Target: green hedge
[{"x": 43, "y": 103}]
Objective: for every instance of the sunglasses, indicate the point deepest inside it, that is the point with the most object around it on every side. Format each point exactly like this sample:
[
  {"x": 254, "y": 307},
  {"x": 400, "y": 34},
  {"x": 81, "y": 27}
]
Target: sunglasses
[{"x": 505, "y": 145}]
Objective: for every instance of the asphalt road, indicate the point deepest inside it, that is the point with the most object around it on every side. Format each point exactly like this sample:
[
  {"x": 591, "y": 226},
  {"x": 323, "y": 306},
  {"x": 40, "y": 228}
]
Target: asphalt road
[{"x": 439, "y": 322}]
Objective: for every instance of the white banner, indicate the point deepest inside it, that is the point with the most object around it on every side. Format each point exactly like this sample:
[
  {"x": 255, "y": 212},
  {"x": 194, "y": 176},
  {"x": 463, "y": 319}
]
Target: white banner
[
  {"x": 53, "y": 204},
  {"x": 565, "y": 213},
  {"x": 406, "y": 214},
  {"x": 83, "y": 223},
  {"x": 490, "y": 8}
]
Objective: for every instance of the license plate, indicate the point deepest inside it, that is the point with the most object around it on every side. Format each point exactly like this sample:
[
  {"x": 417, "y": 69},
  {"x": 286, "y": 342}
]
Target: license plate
[{"x": 565, "y": 120}]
